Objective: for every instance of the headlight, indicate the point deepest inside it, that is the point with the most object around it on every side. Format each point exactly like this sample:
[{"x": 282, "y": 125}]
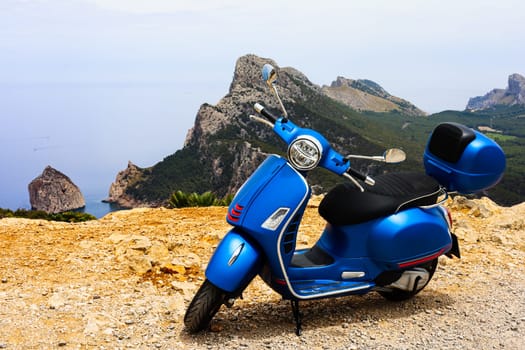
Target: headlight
[{"x": 305, "y": 153}]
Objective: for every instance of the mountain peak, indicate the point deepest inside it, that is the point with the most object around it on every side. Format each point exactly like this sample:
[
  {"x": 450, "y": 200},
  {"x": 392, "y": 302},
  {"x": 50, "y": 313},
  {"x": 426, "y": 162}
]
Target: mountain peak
[
  {"x": 514, "y": 94},
  {"x": 247, "y": 71},
  {"x": 225, "y": 145},
  {"x": 366, "y": 95}
]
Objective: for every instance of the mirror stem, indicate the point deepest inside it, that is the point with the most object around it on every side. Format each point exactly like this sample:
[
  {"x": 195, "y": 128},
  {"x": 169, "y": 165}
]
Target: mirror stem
[
  {"x": 285, "y": 114},
  {"x": 376, "y": 158}
]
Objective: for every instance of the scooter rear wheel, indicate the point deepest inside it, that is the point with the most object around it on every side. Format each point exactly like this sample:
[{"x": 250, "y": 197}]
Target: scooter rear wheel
[
  {"x": 400, "y": 295},
  {"x": 205, "y": 304}
]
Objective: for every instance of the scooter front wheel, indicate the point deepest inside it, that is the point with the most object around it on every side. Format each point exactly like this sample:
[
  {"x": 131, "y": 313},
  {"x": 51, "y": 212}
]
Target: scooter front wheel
[
  {"x": 205, "y": 304},
  {"x": 401, "y": 295}
]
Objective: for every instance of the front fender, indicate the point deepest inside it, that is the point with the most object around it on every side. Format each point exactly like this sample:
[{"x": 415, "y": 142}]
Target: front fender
[{"x": 235, "y": 262}]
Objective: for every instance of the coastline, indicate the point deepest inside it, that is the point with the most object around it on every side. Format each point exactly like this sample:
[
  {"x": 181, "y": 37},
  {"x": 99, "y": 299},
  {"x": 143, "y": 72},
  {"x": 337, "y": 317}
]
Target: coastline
[{"x": 99, "y": 208}]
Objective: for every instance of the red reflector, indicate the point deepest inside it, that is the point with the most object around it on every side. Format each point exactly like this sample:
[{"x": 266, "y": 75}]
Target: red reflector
[
  {"x": 280, "y": 281},
  {"x": 238, "y": 207},
  {"x": 231, "y": 218},
  {"x": 422, "y": 260},
  {"x": 235, "y": 213}
]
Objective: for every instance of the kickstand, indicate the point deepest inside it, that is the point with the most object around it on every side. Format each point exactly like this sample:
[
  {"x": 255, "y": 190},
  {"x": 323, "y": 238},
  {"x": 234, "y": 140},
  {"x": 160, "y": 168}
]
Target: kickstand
[{"x": 297, "y": 316}]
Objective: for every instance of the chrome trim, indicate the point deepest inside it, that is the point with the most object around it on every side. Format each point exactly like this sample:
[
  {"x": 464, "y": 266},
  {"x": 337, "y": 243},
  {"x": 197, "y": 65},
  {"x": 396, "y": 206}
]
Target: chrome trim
[
  {"x": 351, "y": 178},
  {"x": 369, "y": 181},
  {"x": 275, "y": 219},
  {"x": 261, "y": 120},
  {"x": 285, "y": 226},
  {"x": 440, "y": 191},
  {"x": 352, "y": 274},
  {"x": 446, "y": 216},
  {"x": 443, "y": 192},
  {"x": 410, "y": 280},
  {"x": 235, "y": 254},
  {"x": 258, "y": 107},
  {"x": 315, "y": 143},
  {"x": 376, "y": 158},
  {"x": 281, "y": 263}
]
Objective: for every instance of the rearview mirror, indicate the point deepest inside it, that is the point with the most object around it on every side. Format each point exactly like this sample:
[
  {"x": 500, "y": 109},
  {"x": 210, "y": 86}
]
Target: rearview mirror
[
  {"x": 394, "y": 155},
  {"x": 269, "y": 74}
]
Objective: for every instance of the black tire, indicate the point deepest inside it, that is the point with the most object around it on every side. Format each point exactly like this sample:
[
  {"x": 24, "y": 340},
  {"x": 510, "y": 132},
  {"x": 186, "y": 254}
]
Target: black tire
[
  {"x": 205, "y": 304},
  {"x": 401, "y": 295}
]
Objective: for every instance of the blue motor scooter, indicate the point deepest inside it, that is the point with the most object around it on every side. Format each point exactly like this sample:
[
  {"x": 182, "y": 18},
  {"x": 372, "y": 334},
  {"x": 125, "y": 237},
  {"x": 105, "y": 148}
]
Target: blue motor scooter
[{"x": 384, "y": 234}]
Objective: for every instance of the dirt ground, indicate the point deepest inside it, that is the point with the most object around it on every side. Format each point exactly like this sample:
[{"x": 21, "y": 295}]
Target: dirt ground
[{"x": 124, "y": 282}]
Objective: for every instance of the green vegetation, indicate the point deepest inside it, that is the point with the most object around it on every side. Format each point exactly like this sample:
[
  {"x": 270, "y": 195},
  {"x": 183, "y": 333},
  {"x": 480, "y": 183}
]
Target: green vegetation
[
  {"x": 181, "y": 199},
  {"x": 182, "y": 170},
  {"x": 500, "y": 137},
  {"x": 212, "y": 163},
  {"x": 509, "y": 121},
  {"x": 68, "y": 216}
]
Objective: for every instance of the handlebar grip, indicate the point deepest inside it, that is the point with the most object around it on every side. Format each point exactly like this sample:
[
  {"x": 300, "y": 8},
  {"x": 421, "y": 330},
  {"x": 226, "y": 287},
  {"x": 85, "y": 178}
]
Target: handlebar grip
[
  {"x": 360, "y": 176},
  {"x": 262, "y": 111}
]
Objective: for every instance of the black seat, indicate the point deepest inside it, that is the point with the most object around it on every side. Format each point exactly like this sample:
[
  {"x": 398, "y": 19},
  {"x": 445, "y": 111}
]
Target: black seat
[{"x": 345, "y": 204}]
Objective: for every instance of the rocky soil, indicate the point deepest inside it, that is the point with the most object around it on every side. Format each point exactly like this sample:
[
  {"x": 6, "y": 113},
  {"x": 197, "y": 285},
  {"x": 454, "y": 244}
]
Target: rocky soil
[{"x": 124, "y": 281}]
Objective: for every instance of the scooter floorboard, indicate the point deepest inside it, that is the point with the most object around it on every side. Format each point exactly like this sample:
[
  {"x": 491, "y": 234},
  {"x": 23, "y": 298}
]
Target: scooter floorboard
[{"x": 309, "y": 288}]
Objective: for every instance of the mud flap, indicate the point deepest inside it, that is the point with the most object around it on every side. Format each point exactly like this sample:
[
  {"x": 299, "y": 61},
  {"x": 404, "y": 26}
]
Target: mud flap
[
  {"x": 234, "y": 263},
  {"x": 454, "y": 251}
]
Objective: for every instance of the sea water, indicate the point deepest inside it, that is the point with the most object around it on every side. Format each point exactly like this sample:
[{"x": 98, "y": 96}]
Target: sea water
[{"x": 98, "y": 208}]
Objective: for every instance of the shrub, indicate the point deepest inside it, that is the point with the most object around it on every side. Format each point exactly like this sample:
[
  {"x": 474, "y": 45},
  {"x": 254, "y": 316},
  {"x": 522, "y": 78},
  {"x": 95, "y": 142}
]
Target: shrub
[
  {"x": 68, "y": 216},
  {"x": 181, "y": 199}
]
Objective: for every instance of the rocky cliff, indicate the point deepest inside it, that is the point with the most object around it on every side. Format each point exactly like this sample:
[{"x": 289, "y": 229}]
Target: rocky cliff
[
  {"x": 125, "y": 178},
  {"x": 514, "y": 94},
  {"x": 226, "y": 126},
  {"x": 224, "y": 146},
  {"x": 366, "y": 95},
  {"x": 54, "y": 192}
]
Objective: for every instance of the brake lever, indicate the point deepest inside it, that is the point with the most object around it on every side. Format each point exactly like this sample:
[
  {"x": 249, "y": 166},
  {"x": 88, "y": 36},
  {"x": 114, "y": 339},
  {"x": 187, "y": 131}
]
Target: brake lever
[
  {"x": 351, "y": 178},
  {"x": 261, "y": 120}
]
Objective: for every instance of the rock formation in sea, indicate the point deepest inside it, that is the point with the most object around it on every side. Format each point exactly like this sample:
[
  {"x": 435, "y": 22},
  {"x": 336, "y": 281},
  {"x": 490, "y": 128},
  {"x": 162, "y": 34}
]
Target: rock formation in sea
[{"x": 54, "y": 192}]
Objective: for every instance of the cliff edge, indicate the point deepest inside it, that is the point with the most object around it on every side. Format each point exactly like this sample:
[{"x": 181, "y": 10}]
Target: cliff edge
[
  {"x": 513, "y": 95},
  {"x": 125, "y": 178},
  {"x": 125, "y": 281}
]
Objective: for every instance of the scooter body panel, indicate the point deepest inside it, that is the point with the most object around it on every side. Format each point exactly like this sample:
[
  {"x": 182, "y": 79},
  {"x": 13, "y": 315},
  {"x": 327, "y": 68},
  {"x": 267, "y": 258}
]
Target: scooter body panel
[
  {"x": 261, "y": 213},
  {"x": 235, "y": 262},
  {"x": 269, "y": 207},
  {"x": 361, "y": 252},
  {"x": 409, "y": 235}
]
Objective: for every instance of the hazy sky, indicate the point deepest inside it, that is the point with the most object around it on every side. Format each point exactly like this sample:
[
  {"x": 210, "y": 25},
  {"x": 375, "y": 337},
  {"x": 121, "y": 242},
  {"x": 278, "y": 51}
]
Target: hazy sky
[{"x": 86, "y": 85}]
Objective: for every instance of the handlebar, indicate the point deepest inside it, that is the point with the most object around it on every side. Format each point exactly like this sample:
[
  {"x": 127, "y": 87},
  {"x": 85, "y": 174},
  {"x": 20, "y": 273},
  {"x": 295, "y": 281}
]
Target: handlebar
[
  {"x": 262, "y": 111},
  {"x": 333, "y": 162},
  {"x": 360, "y": 176}
]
